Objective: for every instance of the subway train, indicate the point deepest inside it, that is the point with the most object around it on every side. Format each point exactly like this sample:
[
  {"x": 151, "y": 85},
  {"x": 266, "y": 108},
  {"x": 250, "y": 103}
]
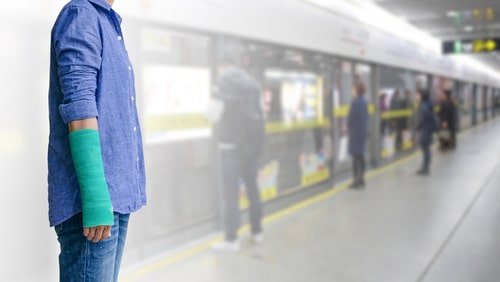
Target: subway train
[{"x": 305, "y": 56}]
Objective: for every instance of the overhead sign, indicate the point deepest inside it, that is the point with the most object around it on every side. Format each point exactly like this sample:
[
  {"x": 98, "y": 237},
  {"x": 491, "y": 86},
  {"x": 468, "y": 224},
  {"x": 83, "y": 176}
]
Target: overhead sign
[{"x": 473, "y": 46}]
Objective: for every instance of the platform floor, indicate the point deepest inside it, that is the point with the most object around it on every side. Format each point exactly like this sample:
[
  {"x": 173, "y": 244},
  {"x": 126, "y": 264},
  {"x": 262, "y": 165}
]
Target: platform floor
[{"x": 401, "y": 228}]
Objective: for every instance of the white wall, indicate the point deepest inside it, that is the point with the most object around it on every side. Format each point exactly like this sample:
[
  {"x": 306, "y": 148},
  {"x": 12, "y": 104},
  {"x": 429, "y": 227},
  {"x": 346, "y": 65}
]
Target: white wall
[{"x": 29, "y": 250}]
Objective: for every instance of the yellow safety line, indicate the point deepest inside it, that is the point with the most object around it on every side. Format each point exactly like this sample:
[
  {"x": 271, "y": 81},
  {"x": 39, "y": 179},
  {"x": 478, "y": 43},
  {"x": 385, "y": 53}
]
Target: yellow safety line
[
  {"x": 170, "y": 260},
  {"x": 274, "y": 217}
]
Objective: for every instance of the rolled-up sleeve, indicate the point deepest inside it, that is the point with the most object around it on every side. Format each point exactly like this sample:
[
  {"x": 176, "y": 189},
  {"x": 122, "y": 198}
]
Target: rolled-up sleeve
[{"x": 78, "y": 49}]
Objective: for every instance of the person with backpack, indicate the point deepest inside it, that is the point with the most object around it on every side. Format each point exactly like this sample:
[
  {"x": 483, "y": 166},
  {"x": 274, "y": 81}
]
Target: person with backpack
[
  {"x": 240, "y": 131},
  {"x": 427, "y": 124}
]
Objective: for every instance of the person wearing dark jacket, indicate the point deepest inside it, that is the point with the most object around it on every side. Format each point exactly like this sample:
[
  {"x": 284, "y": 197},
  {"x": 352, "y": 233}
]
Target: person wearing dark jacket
[
  {"x": 426, "y": 126},
  {"x": 447, "y": 116},
  {"x": 240, "y": 144},
  {"x": 357, "y": 124},
  {"x": 397, "y": 104}
]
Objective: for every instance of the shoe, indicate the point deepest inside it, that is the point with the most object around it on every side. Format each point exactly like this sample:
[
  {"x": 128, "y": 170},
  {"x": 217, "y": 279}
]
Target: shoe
[
  {"x": 258, "y": 238},
  {"x": 355, "y": 185},
  {"x": 227, "y": 246},
  {"x": 423, "y": 172},
  {"x": 362, "y": 183}
]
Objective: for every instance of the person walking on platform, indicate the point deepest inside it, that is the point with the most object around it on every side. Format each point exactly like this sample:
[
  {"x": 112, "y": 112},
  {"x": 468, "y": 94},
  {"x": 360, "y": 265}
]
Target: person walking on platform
[
  {"x": 448, "y": 118},
  {"x": 240, "y": 143},
  {"x": 96, "y": 175},
  {"x": 357, "y": 123},
  {"x": 427, "y": 124}
]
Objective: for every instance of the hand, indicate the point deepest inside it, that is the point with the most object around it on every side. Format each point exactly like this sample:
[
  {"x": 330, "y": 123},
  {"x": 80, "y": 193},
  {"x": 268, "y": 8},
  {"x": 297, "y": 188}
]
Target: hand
[
  {"x": 98, "y": 233},
  {"x": 445, "y": 124}
]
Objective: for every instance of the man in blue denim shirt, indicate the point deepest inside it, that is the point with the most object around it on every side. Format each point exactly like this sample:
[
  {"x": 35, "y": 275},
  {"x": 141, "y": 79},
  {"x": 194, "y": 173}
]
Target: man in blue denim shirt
[{"x": 96, "y": 166}]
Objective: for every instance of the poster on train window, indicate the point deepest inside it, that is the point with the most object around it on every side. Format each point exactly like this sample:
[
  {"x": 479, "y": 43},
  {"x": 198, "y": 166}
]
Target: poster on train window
[
  {"x": 314, "y": 168},
  {"x": 299, "y": 95},
  {"x": 176, "y": 99}
]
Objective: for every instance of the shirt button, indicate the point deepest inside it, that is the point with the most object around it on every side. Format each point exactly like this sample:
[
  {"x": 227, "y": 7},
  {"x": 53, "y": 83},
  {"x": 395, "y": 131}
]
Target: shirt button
[
  {"x": 135, "y": 128},
  {"x": 119, "y": 37},
  {"x": 137, "y": 158},
  {"x": 129, "y": 68},
  {"x": 132, "y": 98}
]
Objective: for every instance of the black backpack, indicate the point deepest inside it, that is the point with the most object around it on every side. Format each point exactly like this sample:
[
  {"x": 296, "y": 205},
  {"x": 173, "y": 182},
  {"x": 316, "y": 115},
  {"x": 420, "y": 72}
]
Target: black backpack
[
  {"x": 243, "y": 122},
  {"x": 252, "y": 126}
]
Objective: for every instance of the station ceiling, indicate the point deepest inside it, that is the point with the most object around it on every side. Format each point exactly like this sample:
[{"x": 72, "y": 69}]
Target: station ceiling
[{"x": 452, "y": 19}]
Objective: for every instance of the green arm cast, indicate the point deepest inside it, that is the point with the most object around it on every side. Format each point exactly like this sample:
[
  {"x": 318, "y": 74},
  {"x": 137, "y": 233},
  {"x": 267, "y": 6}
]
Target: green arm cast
[{"x": 97, "y": 209}]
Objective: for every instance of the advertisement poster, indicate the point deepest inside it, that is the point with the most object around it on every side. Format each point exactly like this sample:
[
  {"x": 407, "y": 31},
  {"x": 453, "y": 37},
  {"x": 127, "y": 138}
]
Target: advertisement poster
[
  {"x": 314, "y": 169},
  {"x": 176, "y": 99},
  {"x": 407, "y": 140},
  {"x": 388, "y": 146},
  {"x": 299, "y": 95},
  {"x": 267, "y": 182}
]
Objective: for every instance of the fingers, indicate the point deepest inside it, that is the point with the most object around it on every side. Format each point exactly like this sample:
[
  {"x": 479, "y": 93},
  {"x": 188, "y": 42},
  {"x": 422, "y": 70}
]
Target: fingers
[
  {"x": 98, "y": 233},
  {"x": 90, "y": 236},
  {"x": 86, "y": 231},
  {"x": 106, "y": 232}
]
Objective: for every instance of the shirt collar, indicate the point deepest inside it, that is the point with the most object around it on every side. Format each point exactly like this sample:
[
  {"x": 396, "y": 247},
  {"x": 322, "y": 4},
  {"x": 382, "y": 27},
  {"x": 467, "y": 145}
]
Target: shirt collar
[{"x": 101, "y": 3}]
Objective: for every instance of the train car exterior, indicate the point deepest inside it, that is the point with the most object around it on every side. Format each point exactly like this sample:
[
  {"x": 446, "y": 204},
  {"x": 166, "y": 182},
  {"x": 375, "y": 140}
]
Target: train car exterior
[{"x": 306, "y": 96}]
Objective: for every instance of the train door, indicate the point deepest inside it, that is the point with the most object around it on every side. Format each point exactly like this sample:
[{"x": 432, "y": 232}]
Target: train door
[
  {"x": 298, "y": 145},
  {"x": 484, "y": 102},
  {"x": 396, "y": 106},
  {"x": 174, "y": 81},
  {"x": 474, "y": 104},
  {"x": 464, "y": 98},
  {"x": 345, "y": 76}
]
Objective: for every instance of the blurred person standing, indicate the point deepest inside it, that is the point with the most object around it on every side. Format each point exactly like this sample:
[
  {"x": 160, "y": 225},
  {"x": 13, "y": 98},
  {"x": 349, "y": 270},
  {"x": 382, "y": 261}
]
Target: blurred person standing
[
  {"x": 357, "y": 123},
  {"x": 397, "y": 104},
  {"x": 382, "y": 104},
  {"x": 96, "y": 174},
  {"x": 427, "y": 124},
  {"x": 240, "y": 143},
  {"x": 448, "y": 118},
  {"x": 407, "y": 104}
]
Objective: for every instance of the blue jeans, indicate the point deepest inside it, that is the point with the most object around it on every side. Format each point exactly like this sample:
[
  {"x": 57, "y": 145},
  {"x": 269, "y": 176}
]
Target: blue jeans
[
  {"x": 81, "y": 260},
  {"x": 233, "y": 167}
]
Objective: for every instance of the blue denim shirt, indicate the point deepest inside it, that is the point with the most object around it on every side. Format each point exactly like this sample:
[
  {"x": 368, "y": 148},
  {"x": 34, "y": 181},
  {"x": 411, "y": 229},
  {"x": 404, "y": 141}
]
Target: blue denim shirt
[{"x": 91, "y": 76}]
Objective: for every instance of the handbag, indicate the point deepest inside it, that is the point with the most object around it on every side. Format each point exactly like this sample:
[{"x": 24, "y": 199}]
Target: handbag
[{"x": 342, "y": 153}]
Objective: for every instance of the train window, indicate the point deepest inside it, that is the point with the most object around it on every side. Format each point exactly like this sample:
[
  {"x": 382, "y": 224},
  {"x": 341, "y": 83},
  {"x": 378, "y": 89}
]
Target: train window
[
  {"x": 293, "y": 86},
  {"x": 396, "y": 104},
  {"x": 176, "y": 79},
  {"x": 463, "y": 95},
  {"x": 294, "y": 96},
  {"x": 344, "y": 78}
]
